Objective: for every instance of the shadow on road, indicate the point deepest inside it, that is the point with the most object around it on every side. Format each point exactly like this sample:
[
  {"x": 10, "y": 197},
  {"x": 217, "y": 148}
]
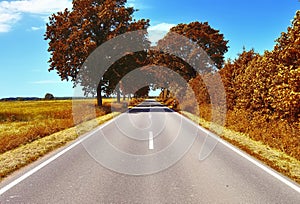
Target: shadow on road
[{"x": 145, "y": 110}]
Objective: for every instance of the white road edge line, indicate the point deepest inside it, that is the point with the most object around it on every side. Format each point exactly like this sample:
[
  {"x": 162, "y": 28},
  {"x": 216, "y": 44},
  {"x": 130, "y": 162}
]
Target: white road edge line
[
  {"x": 48, "y": 161},
  {"x": 262, "y": 166},
  {"x": 151, "y": 144},
  {"x": 259, "y": 164}
]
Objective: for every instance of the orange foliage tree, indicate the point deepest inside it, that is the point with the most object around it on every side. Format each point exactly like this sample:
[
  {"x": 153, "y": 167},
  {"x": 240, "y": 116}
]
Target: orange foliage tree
[
  {"x": 74, "y": 35},
  {"x": 209, "y": 39},
  {"x": 190, "y": 49},
  {"x": 268, "y": 84}
]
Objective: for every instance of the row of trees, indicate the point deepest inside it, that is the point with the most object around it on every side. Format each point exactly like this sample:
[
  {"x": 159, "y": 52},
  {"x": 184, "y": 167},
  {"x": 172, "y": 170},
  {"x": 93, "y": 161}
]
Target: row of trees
[
  {"x": 267, "y": 83},
  {"x": 262, "y": 92},
  {"x": 74, "y": 35}
]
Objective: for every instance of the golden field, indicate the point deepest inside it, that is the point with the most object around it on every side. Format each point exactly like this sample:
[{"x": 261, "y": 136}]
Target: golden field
[{"x": 22, "y": 122}]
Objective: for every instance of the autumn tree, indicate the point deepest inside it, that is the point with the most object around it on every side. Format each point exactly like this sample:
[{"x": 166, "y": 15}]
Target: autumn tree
[
  {"x": 234, "y": 78},
  {"x": 287, "y": 46},
  {"x": 267, "y": 84},
  {"x": 191, "y": 49},
  {"x": 209, "y": 39},
  {"x": 284, "y": 95},
  {"x": 74, "y": 34}
]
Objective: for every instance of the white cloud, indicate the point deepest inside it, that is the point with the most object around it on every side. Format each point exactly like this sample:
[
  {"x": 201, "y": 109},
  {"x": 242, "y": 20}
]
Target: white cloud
[
  {"x": 11, "y": 11},
  {"x": 4, "y": 28},
  {"x": 158, "y": 31},
  {"x": 36, "y": 6},
  {"x": 36, "y": 28},
  {"x": 7, "y": 18},
  {"x": 162, "y": 26}
]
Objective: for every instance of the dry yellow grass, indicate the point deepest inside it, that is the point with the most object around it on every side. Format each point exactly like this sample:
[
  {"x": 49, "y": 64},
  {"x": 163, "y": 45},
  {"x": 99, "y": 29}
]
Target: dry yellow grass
[
  {"x": 25, "y": 121},
  {"x": 16, "y": 158}
]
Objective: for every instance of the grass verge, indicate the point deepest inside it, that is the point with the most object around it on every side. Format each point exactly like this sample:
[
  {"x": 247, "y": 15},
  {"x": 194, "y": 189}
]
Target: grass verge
[
  {"x": 278, "y": 160},
  {"x": 22, "y": 122},
  {"x": 14, "y": 159}
]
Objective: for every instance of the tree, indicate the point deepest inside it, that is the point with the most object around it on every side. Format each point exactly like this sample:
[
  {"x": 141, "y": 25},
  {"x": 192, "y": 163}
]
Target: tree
[
  {"x": 267, "y": 84},
  {"x": 209, "y": 39},
  {"x": 49, "y": 96},
  {"x": 74, "y": 35},
  {"x": 190, "y": 50},
  {"x": 234, "y": 78}
]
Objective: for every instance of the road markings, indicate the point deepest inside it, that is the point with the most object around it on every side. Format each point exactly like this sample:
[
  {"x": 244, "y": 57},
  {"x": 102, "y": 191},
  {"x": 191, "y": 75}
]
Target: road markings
[{"x": 151, "y": 145}]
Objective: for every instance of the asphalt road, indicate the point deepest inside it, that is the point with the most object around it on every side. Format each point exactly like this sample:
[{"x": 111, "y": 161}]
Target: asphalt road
[{"x": 148, "y": 155}]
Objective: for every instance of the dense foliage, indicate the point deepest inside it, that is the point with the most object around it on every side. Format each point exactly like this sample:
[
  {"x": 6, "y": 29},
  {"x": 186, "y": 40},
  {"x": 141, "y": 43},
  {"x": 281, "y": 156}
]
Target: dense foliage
[
  {"x": 209, "y": 39},
  {"x": 262, "y": 92},
  {"x": 74, "y": 35},
  {"x": 268, "y": 83}
]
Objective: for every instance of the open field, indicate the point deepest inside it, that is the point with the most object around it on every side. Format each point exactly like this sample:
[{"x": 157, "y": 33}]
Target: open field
[{"x": 25, "y": 121}]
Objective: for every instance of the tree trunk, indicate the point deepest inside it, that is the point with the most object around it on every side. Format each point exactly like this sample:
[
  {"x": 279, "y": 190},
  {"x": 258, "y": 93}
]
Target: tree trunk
[
  {"x": 118, "y": 95},
  {"x": 99, "y": 96},
  {"x": 165, "y": 94}
]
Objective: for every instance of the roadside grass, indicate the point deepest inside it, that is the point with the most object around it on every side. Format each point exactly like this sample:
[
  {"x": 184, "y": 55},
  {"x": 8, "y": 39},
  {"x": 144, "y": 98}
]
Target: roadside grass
[
  {"x": 25, "y": 121},
  {"x": 278, "y": 160},
  {"x": 14, "y": 159}
]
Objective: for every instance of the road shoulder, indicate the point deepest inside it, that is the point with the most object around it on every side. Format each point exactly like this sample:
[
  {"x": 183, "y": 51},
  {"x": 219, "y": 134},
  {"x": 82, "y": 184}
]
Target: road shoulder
[{"x": 281, "y": 162}]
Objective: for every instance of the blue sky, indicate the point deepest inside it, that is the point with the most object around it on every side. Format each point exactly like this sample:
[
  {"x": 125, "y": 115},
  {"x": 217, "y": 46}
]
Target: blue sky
[{"x": 23, "y": 52}]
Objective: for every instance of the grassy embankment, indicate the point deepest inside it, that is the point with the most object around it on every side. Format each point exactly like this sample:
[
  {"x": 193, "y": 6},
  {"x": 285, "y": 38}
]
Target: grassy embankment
[{"x": 30, "y": 129}]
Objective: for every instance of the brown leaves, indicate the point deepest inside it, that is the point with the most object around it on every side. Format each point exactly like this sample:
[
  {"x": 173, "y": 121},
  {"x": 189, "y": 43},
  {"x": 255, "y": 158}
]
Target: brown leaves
[
  {"x": 287, "y": 48},
  {"x": 74, "y": 35},
  {"x": 267, "y": 84},
  {"x": 209, "y": 39}
]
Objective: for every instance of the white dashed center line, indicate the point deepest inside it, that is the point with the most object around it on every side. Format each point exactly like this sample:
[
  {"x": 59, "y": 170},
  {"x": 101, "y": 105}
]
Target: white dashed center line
[{"x": 151, "y": 145}]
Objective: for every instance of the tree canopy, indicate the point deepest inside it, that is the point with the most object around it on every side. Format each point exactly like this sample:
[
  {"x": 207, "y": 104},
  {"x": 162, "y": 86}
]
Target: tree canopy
[
  {"x": 74, "y": 35},
  {"x": 209, "y": 39}
]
